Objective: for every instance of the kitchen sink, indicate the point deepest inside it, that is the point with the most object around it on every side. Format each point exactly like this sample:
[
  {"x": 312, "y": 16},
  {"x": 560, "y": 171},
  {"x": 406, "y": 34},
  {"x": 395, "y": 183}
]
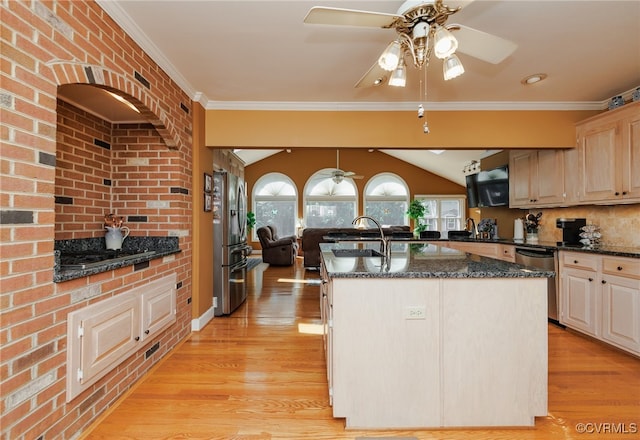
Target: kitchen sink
[
  {"x": 356, "y": 253},
  {"x": 459, "y": 234}
]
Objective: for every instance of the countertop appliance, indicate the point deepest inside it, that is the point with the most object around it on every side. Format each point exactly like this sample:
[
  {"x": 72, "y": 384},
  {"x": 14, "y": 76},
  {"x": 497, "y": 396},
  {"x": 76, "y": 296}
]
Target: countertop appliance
[
  {"x": 543, "y": 259},
  {"x": 230, "y": 249},
  {"x": 570, "y": 230}
]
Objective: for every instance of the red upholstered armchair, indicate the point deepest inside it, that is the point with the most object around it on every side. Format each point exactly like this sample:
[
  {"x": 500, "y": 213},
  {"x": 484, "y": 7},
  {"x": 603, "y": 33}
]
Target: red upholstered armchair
[{"x": 275, "y": 250}]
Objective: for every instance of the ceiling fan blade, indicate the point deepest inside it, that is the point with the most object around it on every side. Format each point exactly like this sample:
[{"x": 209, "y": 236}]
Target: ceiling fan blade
[
  {"x": 481, "y": 45},
  {"x": 349, "y": 17},
  {"x": 376, "y": 75}
]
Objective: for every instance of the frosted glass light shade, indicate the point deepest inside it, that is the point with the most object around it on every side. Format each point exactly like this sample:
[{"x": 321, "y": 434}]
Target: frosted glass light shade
[
  {"x": 399, "y": 76},
  {"x": 390, "y": 58},
  {"x": 452, "y": 67},
  {"x": 445, "y": 44}
]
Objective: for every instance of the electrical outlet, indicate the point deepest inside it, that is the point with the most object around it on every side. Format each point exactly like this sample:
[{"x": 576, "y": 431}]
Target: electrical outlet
[
  {"x": 215, "y": 302},
  {"x": 415, "y": 312}
]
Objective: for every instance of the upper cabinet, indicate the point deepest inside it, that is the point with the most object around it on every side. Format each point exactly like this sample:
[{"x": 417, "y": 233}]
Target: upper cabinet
[
  {"x": 536, "y": 178},
  {"x": 603, "y": 168},
  {"x": 609, "y": 149}
]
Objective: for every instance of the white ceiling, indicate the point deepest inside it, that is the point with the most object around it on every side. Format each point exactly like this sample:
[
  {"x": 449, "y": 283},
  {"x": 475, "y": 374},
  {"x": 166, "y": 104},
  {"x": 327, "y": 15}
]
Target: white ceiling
[{"x": 260, "y": 55}]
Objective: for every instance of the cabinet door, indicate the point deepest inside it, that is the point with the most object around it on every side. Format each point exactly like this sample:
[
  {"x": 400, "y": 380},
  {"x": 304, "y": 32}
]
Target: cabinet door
[
  {"x": 158, "y": 308},
  {"x": 599, "y": 162},
  {"x": 111, "y": 331},
  {"x": 630, "y": 165},
  {"x": 572, "y": 175},
  {"x": 621, "y": 312},
  {"x": 579, "y": 290},
  {"x": 520, "y": 178},
  {"x": 549, "y": 178}
]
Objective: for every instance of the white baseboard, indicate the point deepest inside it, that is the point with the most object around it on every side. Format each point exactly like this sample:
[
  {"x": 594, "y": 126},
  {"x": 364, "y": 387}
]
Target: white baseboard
[{"x": 198, "y": 324}]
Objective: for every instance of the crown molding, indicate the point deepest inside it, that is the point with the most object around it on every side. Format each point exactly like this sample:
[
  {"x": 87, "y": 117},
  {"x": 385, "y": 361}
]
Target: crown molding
[
  {"x": 123, "y": 19},
  {"x": 403, "y": 106}
]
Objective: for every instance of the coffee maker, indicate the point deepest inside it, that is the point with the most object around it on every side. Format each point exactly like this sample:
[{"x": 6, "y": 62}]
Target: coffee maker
[{"x": 570, "y": 230}]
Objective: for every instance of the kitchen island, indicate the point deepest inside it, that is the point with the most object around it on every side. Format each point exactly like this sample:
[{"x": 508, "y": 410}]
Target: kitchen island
[{"x": 432, "y": 337}]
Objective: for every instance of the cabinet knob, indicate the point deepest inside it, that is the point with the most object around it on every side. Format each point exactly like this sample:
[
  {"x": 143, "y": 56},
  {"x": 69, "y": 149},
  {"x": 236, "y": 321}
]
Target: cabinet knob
[
  {"x": 619, "y": 267},
  {"x": 137, "y": 338},
  {"x": 617, "y": 193},
  {"x": 575, "y": 261},
  {"x": 146, "y": 332},
  {"x": 624, "y": 193},
  {"x": 604, "y": 282},
  {"x": 590, "y": 279}
]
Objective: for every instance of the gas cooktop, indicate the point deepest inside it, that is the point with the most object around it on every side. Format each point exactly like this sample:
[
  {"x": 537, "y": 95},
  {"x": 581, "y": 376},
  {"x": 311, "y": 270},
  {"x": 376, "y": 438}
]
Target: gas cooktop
[{"x": 89, "y": 259}]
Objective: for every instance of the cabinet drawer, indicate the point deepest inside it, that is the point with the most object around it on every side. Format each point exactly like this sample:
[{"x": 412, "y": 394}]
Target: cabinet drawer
[
  {"x": 579, "y": 260},
  {"x": 624, "y": 267}
]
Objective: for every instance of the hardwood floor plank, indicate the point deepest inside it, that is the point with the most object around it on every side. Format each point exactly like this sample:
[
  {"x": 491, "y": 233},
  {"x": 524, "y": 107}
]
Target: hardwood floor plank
[{"x": 253, "y": 375}]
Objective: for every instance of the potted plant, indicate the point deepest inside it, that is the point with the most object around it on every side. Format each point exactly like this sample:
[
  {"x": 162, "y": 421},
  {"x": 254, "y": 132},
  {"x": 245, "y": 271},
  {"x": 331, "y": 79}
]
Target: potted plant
[
  {"x": 416, "y": 213},
  {"x": 251, "y": 221}
]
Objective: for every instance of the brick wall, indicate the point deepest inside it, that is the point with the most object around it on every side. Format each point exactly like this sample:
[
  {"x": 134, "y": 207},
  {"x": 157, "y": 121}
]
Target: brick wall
[{"x": 46, "y": 45}]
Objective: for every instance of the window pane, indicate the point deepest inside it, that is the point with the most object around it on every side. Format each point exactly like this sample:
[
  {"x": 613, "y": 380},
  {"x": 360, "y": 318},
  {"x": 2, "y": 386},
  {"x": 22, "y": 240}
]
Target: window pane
[
  {"x": 280, "y": 214},
  {"x": 323, "y": 214},
  {"x": 387, "y": 213}
]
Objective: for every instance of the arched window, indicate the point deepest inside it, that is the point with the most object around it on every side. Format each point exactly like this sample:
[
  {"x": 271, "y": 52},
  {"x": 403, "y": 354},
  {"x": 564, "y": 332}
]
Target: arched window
[
  {"x": 386, "y": 198},
  {"x": 275, "y": 202},
  {"x": 328, "y": 203}
]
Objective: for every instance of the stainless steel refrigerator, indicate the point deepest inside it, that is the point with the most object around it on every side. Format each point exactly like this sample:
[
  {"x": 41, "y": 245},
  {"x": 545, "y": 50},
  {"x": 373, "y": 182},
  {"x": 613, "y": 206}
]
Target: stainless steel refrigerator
[{"x": 230, "y": 249}]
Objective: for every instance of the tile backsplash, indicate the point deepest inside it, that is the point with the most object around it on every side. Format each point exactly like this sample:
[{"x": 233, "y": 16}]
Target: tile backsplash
[{"x": 619, "y": 224}]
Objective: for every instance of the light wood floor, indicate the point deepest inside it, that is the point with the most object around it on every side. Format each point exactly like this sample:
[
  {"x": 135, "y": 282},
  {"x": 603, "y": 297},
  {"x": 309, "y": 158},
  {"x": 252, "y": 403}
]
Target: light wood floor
[{"x": 254, "y": 375}]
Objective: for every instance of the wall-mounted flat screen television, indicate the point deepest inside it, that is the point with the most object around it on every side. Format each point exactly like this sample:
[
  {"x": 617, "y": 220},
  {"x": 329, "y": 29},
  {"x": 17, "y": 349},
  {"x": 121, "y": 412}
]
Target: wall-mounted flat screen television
[
  {"x": 493, "y": 187},
  {"x": 472, "y": 190}
]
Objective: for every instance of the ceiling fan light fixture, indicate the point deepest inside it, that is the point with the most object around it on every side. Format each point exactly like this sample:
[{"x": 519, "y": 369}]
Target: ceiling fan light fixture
[
  {"x": 444, "y": 44},
  {"x": 399, "y": 76},
  {"x": 452, "y": 67},
  {"x": 390, "y": 58}
]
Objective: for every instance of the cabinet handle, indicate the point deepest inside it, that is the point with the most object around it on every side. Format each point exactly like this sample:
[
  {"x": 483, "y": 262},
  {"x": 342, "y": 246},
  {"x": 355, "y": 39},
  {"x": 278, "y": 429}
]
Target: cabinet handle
[
  {"x": 137, "y": 338},
  {"x": 146, "y": 332},
  {"x": 590, "y": 279},
  {"x": 619, "y": 267}
]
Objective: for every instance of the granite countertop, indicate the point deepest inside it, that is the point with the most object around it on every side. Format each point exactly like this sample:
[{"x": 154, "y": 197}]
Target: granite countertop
[
  {"x": 156, "y": 247},
  {"x": 421, "y": 260},
  {"x": 620, "y": 251}
]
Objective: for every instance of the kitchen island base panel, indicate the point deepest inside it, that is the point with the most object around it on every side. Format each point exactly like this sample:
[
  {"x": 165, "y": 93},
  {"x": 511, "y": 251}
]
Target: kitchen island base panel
[
  {"x": 494, "y": 352},
  {"x": 427, "y": 353}
]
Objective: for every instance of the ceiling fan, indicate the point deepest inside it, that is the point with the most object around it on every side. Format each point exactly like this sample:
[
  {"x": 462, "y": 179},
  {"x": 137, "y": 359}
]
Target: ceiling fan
[
  {"x": 339, "y": 175},
  {"x": 422, "y": 30}
]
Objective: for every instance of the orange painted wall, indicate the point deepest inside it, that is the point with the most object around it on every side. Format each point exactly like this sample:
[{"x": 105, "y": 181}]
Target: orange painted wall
[
  {"x": 301, "y": 163},
  {"x": 393, "y": 129}
]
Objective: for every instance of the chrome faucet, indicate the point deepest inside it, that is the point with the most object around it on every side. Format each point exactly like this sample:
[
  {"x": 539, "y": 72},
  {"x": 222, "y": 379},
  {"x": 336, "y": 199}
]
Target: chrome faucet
[
  {"x": 384, "y": 246},
  {"x": 474, "y": 229}
]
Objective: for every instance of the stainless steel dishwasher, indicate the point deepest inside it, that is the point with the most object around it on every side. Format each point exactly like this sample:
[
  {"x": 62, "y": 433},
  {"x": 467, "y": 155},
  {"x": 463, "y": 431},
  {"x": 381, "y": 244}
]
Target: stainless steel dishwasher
[{"x": 541, "y": 258}]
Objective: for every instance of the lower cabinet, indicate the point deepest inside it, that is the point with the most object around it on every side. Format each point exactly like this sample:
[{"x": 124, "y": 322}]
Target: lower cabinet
[
  {"x": 600, "y": 296},
  {"x": 104, "y": 334},
  {"x": 422, "y": 352}
]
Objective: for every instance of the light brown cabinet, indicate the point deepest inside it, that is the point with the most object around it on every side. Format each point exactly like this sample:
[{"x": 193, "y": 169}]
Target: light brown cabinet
[
  {"x": 600, "y": 296},
  {"x": 603, "y": 168},
  {"x": 499, "y": 251},
  {"x": 609, "y": 149},
  {"x": 536, "y": 178},
  {"x": 104, "y": 334}
]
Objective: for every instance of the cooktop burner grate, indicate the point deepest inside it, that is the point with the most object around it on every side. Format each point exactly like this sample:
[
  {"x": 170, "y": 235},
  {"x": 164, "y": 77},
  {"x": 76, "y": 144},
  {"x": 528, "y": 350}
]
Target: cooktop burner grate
[{"x": 89, "y": 259}]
